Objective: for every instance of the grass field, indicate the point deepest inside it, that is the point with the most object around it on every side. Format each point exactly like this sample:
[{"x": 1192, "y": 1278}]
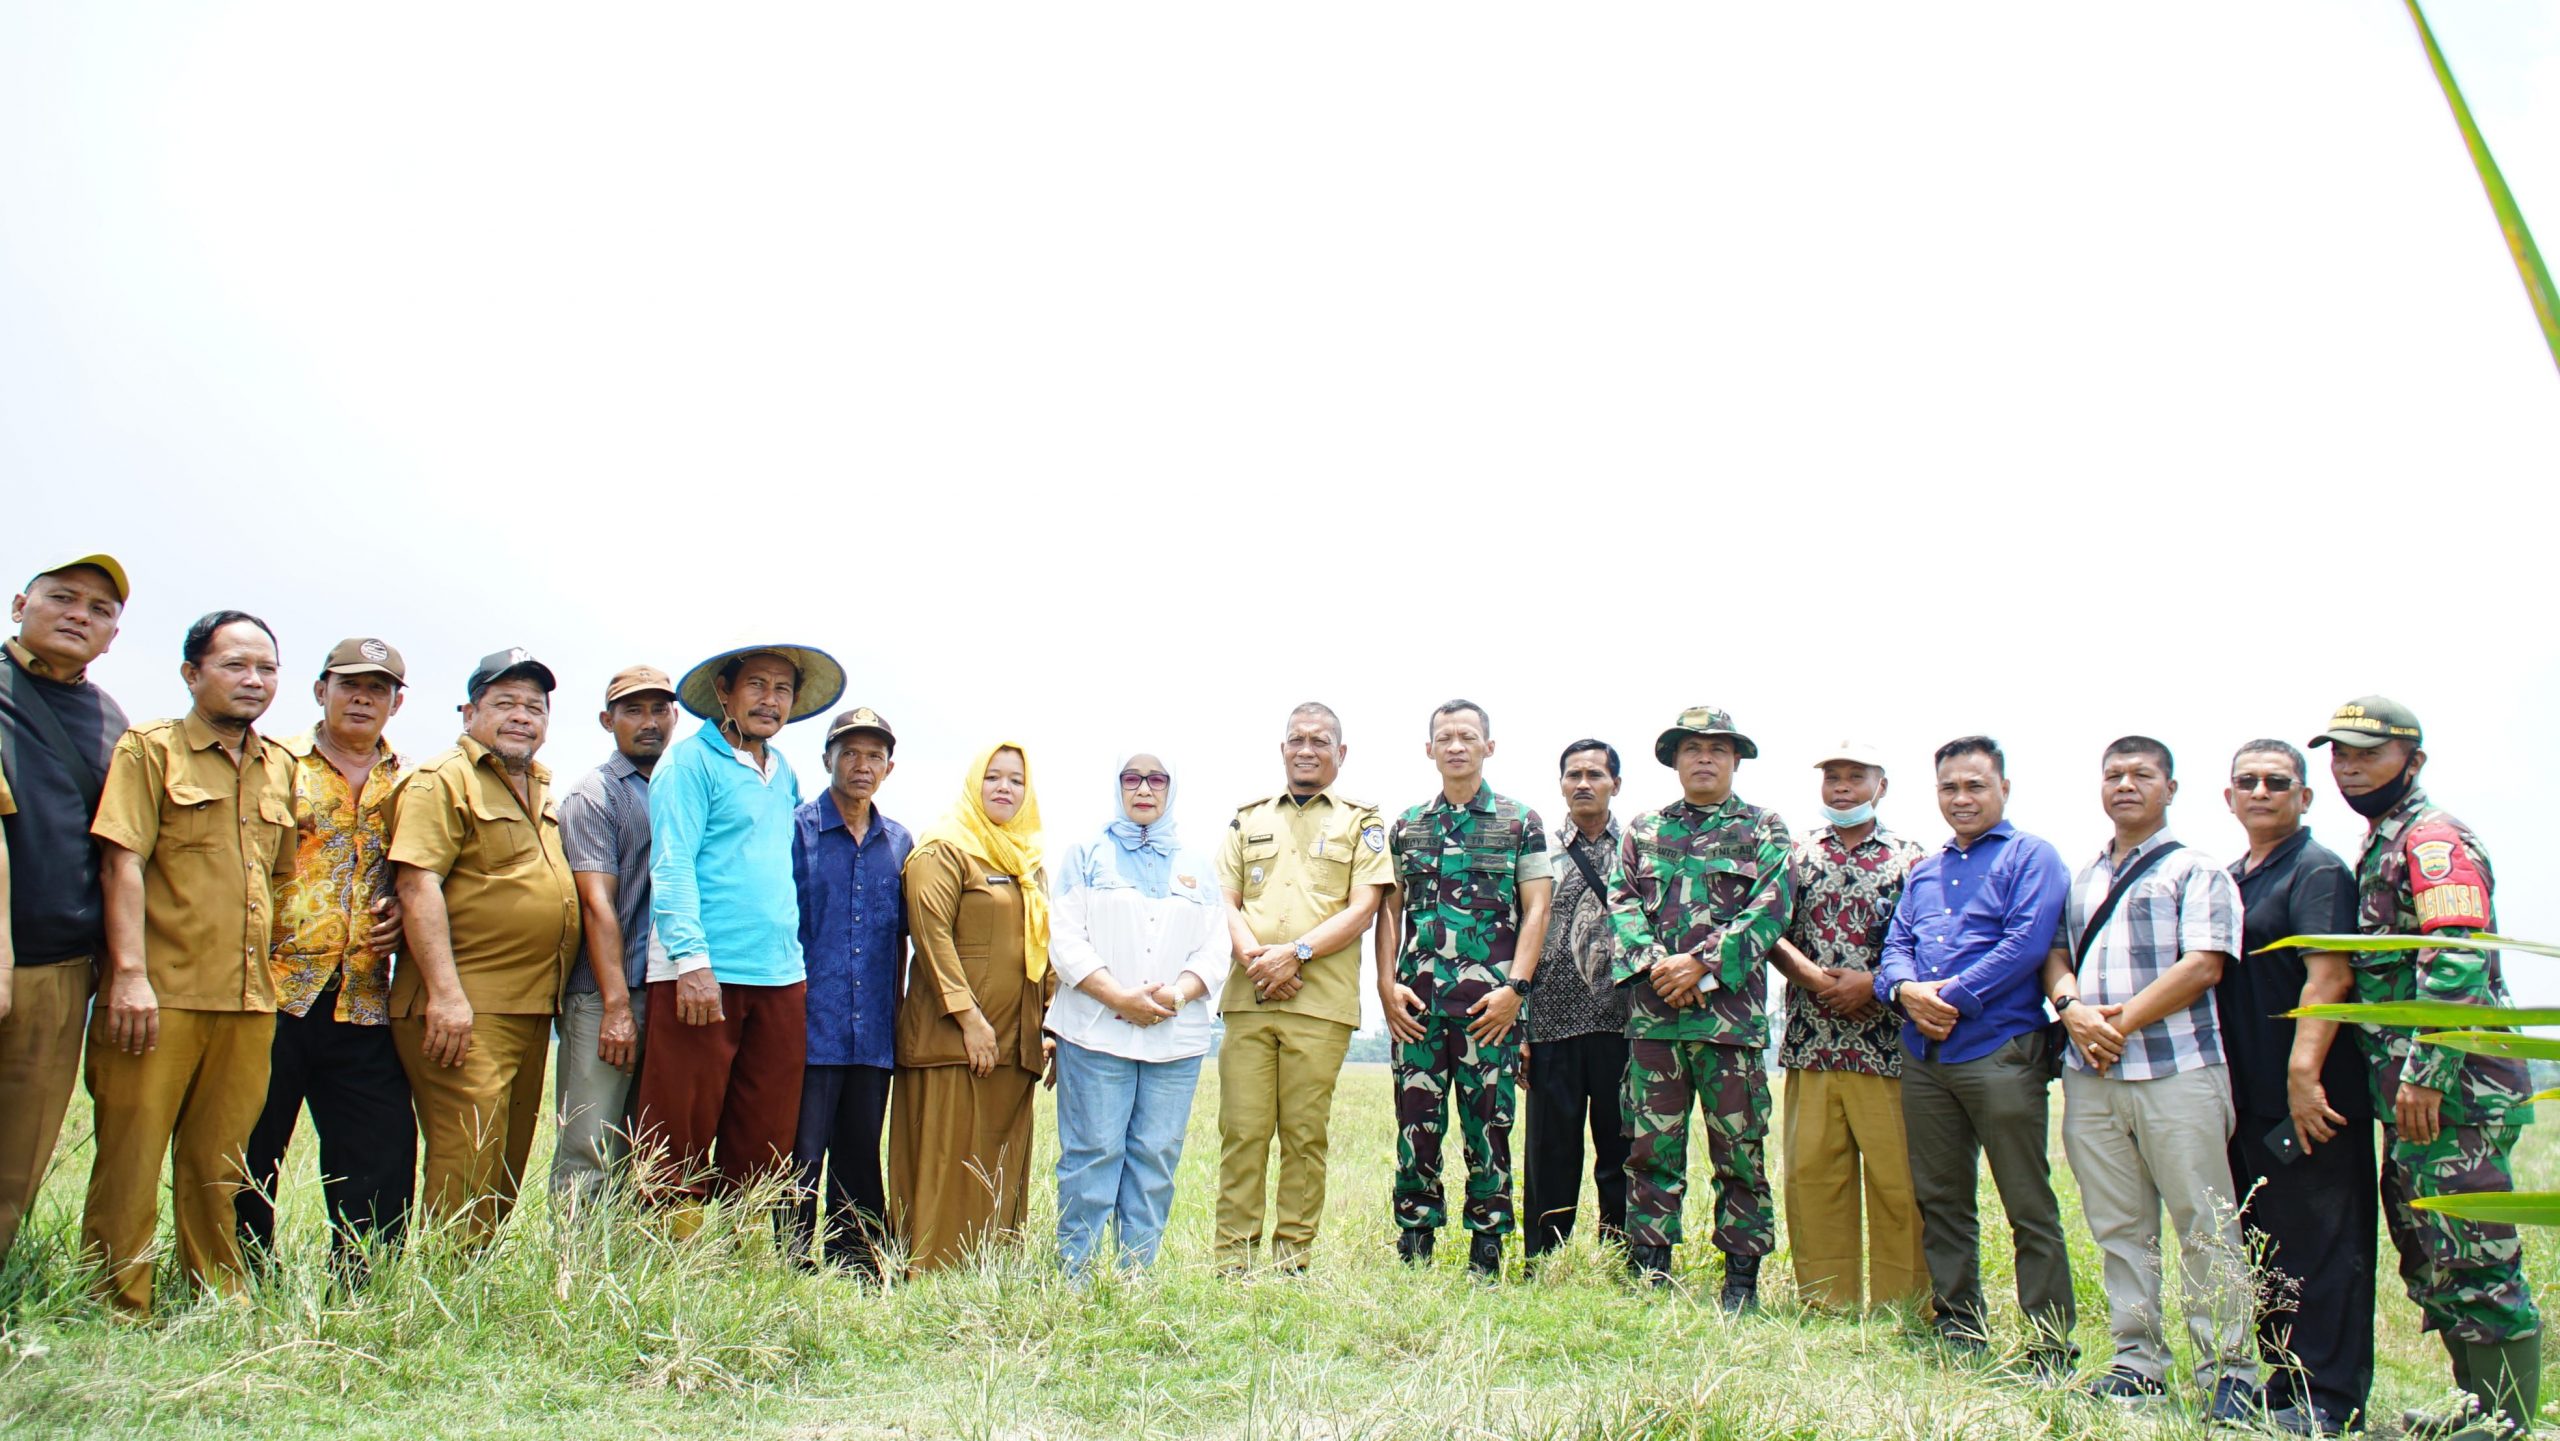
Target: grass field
[{"x": 603, "y": 1328}]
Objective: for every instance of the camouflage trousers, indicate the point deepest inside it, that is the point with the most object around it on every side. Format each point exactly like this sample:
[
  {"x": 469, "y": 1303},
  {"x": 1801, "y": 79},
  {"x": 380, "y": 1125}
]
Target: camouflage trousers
[
  {"x": 1447, "y": 1060},
  {"x": 2466, "y": 1276},
  {"x": 1731, "y": 1086}
]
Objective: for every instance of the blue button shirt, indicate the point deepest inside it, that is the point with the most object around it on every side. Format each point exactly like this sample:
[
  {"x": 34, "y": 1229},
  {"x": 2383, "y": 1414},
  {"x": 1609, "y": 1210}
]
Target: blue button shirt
[
  {"x": 1980, "y": 918},
  {"x": 853, "y": 930}
]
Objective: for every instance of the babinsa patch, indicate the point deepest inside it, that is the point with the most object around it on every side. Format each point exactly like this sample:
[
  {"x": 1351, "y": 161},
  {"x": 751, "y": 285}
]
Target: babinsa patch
[{"x": 2434, "y": 859}]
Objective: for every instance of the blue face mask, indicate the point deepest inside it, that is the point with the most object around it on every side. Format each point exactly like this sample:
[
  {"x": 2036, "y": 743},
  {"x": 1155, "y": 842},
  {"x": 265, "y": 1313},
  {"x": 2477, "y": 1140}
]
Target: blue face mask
[{"x": 1847, "y": 819}]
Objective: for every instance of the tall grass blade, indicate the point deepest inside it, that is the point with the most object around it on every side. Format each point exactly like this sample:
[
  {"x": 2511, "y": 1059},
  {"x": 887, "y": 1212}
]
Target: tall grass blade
[{"x": 2537, "y": 280}]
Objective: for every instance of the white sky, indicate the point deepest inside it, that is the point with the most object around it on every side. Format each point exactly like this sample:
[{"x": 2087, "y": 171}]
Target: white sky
[{"x": 1113, "y": 377}]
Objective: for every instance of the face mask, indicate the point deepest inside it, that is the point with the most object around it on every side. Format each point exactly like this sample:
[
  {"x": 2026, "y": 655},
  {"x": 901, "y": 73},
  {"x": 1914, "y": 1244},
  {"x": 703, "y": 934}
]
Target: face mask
[
  {"x": 1849, "y": 819},
  {"x": 2376, "y": 803}
]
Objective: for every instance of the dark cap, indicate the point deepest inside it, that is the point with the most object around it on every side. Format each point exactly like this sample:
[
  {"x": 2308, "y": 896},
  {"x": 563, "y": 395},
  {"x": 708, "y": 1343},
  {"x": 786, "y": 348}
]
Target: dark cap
[
  {"x": 515, "y": 663},
  {"x": 363, "y": 655},
  {"x": 104, "y": 564},
  {"x": 2369, "y": 721},
  {"x": 1702, "y": 720},
  {"x": 861, "y": 718}
]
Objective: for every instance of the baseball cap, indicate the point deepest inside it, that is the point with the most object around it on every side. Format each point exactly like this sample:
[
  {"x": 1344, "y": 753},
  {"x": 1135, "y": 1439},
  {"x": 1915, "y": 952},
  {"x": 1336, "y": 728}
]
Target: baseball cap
[
  {"x": 363, "y": 655},
  {"x": 1856, "y": 753},
  {"x": 636, "y": 680},
  {"x": 861, "y": 718},
  {"x": 113, "y": 567},
  {"x": 514, "y": 663},
  {"x": 1702, "y": 720},
  {"x": 2368, "y": 721}
]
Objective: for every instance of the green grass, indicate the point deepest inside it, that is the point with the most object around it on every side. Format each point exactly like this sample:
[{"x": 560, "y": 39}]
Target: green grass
[{"x": 601, "y": 1327}]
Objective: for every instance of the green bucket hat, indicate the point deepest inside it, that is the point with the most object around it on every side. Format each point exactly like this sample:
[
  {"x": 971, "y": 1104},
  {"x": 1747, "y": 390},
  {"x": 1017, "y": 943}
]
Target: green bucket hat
[{"x": 1702, "y": 720}]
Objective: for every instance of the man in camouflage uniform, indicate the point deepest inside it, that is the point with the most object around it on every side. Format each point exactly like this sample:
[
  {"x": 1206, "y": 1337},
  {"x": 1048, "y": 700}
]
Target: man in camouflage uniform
[
  {"x": 1473, "y": 876},
  {"x": 2450, "y": 1120},
  {"x": 1699, "y": 891}
]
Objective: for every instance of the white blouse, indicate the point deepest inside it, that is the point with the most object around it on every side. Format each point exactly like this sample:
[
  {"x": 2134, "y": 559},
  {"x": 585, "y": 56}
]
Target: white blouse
[{"x": 1145, "y": 942}]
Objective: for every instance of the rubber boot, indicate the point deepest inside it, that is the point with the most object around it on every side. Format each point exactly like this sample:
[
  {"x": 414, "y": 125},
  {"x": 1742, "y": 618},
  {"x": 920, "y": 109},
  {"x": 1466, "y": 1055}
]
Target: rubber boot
[
  {"x": 1413, "y": 1245},
  {"x": 2437, "y": 1425},
  {"x": 1650, "y": 1264},
  {"x": 1484, "y": 1256},
  {"x": 2506, "y": 1377},
  {"x": 1741, "y": 1284}
]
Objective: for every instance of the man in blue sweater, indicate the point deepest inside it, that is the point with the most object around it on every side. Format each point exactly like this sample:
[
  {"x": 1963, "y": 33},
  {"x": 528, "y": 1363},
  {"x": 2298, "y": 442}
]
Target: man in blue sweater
[{"x": 720, "y": 1096}]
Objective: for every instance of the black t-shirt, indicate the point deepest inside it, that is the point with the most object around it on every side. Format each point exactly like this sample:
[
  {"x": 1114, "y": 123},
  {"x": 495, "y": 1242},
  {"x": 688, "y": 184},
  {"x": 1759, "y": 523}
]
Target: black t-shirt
[
  {"x": 2301, "y": 890},
  {"x": 56, "y": 913}
]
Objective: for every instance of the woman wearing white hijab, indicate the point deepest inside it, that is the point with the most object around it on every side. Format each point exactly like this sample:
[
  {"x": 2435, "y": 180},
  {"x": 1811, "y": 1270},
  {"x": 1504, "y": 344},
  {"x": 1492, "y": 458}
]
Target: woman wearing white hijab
[{"x": 1138, "y": 938}]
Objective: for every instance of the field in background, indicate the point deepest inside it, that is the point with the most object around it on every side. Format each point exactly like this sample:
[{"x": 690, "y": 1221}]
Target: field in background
[{"x": 602, "y": 1327}]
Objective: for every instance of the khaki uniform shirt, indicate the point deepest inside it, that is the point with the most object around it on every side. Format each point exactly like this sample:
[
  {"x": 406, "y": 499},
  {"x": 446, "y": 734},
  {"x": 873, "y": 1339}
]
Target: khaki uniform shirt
[
  {"x": 212, "y": 837},
  {"x": 509, "y": 901},
  {"x": 966, "y": 921},
  {"x": 1293, "y": 867}
]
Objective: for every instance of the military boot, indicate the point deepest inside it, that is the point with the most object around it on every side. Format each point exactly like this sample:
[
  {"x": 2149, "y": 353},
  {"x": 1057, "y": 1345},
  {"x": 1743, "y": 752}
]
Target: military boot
[
  {"x": 2421, "y": 1425},
  {"x": 1650, "y": 1264},
  {"x": 1484, "y": 1256},
  {"x": 2506, "y": 1378},
  {"x": 1413, "y": 1245},
  {"x": 1741, "y": 1284}
]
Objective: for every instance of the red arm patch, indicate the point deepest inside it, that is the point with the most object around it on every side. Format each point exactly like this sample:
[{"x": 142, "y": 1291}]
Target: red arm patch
[{"x": 2446, "y": 883}]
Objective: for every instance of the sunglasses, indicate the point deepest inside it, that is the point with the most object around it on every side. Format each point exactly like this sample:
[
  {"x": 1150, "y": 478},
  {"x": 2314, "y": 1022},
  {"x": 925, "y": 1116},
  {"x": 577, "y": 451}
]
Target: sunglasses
[
  {"x": 2272, "y": 785},
  {"x": 1155, "y": 780}
]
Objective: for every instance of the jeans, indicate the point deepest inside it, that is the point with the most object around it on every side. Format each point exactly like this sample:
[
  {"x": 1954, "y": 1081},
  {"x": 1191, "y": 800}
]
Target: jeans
[{"x": 1120, "y": 1125}]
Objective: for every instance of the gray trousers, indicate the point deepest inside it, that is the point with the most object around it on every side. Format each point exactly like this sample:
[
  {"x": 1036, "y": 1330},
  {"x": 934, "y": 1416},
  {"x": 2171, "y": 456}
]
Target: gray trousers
[
  {"x": 595, "y": 1101},
  {"x": 2140, "y": 1146},
  {"x": 1955, "y": 1116}
]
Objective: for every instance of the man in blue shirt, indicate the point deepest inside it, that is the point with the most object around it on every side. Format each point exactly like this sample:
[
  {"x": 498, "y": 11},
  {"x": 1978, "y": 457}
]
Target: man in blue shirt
[
  {"x": 1961, "y": 963},
  {"x": 727, "y": 1011},
  {"x": 848, "y": 861}
]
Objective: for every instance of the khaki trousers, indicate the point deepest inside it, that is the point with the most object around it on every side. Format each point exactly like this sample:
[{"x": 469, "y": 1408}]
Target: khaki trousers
[
  {"x": 959, "y": 1161},
  {"x": 1276, "y": 1071},
  {"x": 191, "y": 1100},
  {"x": 478, "y": 1118},
  {"x": 39, "y": 1063},
  {"x": 1843, "y": 1139}
]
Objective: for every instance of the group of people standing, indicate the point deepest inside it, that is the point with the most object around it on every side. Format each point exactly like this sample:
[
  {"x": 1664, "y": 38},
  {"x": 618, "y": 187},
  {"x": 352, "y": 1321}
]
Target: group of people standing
[{"x": 743, "y": 985}]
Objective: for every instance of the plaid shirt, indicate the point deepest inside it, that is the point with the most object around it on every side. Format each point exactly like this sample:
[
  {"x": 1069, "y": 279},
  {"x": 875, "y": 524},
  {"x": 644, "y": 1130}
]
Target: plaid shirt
[
  {"x": 2183, "y": 903},
  {"x": 1844, "y": 903}
]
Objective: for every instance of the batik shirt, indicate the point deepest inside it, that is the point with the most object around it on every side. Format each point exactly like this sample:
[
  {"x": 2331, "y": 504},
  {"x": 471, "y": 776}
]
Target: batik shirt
[
  {"x": 324, "y": 914},
  {"x": 1844, "y": 904}
]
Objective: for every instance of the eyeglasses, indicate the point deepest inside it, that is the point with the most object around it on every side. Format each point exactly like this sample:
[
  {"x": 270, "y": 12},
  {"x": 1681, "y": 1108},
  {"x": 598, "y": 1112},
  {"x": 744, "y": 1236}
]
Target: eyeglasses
[
  {"x": 2272, "y": 785},
  {"x": 1153, "y": 780}
]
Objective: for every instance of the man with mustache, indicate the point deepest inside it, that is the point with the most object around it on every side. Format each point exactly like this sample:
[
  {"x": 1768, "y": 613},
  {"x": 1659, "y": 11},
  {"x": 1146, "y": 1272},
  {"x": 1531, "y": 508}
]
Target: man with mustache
[
  {"x": 197, "y": 824},
  {"x": 2450, "y": 1120},
  {"x": 58, "y": 734},
  {"x": 728, "y": 980},
  {"x": 337, "y": 922},
  {"x": 604, "y": 829},
  {"x": 1578, "y": 1028},
  {"x": 492, "y": 924}
]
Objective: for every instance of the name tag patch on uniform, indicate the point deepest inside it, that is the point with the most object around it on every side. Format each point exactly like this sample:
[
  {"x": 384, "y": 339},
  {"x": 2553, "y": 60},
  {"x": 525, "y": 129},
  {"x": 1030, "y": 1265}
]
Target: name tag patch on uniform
[
  {"x": 999, "y": 880},
  {"x": 1375, "y": 837}
]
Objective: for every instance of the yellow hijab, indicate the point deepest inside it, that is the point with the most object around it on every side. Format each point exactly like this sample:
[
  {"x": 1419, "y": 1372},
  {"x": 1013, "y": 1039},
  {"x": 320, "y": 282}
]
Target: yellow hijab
[{"x": 1012, "y": 848}]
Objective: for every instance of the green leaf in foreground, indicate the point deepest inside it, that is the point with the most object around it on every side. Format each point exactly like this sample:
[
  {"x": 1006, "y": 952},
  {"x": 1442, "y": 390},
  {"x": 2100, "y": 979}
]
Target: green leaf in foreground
[
  {"x": 2528, "y": 258},
  {"x": 2496, "y": 1043},
  {"x": 2447, "y": 1015},
  {"x": 2511, "y": 1208},
  {"x": 2481, "y": 942}
]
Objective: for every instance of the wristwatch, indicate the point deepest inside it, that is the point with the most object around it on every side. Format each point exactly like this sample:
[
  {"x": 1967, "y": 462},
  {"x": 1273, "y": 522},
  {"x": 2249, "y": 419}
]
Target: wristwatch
[
  {"x": 1305, "y": 952},
  {"x": 2062, "y": 1004},
  {"x": 1518, "y": 986},
  {"x": 1893, "y": 994}
]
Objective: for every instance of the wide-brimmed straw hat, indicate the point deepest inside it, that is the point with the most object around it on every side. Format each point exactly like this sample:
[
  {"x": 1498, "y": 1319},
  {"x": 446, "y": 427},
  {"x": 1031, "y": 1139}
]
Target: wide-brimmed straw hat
[{"x": 821, "y": 680}]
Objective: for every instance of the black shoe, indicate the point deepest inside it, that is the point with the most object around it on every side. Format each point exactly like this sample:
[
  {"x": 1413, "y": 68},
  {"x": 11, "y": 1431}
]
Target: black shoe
[
  {"x": 2303, "y": 1420},
  {"x": 1484, "y": 1256},
  {"x": 1413, "y": 1245},
  {"x": 1650, "y": 1264},
  {"x": 2128, "y": 1388},
  {"x": 2235, "y": 1403},
  {"x": 1741, "y": 1285}
]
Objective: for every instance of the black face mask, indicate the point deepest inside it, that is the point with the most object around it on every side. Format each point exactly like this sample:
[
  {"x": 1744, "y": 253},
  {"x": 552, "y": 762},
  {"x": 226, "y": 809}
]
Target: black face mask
[{"x": 2374, "y": 804}]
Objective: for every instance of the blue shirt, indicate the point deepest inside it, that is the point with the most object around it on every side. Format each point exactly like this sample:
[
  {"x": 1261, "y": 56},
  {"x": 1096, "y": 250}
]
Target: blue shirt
[
  {"x": 720, "y": 865},
  {"x": 853, "y": 930},
  {"x": 1980, "y": 918}
]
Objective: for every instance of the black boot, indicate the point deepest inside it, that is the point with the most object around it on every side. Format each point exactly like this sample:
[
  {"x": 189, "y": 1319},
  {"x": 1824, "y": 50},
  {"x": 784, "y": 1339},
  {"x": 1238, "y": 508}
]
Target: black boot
[
  {"x": 1651, "y": 1264},
  {"x": 1484, "y": 1256},
  {"x": 1741, "y": 1284},
  {"x": 1413, "y": 1245}
]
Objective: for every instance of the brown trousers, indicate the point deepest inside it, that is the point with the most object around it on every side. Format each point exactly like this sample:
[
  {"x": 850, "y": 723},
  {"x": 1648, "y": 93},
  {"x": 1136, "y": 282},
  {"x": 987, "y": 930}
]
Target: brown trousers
[
  {"x": 959, "y": 1161},
  {"x": 39, "y": 1063},
  {"x": 723, "y": 1100},
  {"x": 1844, "y": 1143},
  {"x": 191, "y": 1100},
  {"x": 477, "y": 1118}
]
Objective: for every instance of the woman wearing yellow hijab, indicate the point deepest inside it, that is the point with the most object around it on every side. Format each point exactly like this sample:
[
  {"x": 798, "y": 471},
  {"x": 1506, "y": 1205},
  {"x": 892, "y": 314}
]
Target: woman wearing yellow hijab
[{"x": 970, "y": 1049}]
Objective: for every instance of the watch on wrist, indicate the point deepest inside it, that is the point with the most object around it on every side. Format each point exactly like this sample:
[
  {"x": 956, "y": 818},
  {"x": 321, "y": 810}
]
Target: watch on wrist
[
  {"x": 1305, "y": 952},
  {"x": 1517, "y": 986},
  {"x": 2062, "y": 1004}
]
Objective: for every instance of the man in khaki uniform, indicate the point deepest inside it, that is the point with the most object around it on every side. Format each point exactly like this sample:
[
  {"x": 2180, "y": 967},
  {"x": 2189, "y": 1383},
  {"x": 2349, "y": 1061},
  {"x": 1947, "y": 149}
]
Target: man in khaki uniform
[
  {"x": 1303, "y": 873},
  {"x": 197, "y": 823},
  {"x": 492, "y": 919}
]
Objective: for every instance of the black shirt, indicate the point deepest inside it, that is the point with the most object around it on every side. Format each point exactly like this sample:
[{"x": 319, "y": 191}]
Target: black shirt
[
  {"x": 56, "y": 913},
  {"x": 2301, "y": 890}
]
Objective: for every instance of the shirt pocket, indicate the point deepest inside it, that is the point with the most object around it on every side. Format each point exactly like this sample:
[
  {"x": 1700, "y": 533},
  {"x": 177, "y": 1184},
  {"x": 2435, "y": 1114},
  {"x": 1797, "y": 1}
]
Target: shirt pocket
[
  {"x": 505, "y": 839},
  {"x": 1486, "y": 881},
  {"x": 1329, "y": 868},
  {"x": 276, "y": 830},
  {"x": 1258, "y": 859},
  {"x": 193, "y": 819}
]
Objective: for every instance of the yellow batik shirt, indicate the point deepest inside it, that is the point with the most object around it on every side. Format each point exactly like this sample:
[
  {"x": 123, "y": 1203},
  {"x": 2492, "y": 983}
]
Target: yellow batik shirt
[{"x": 324, "y": 915}]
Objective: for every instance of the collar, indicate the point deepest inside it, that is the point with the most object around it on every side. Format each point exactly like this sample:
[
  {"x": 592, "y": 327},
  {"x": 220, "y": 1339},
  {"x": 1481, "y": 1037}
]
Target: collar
[
  {"x": 202, "y": 737},
  {"x": 620, "y": 766},
  {"x": 2000, "y": 832},
  {"x": 1571, "y": 834},
  {"x": 2150, "y": 843},
  {"x": 832, "y": 819},
  {"x": 2241, "y": 870},
  {"x": 1481, "y": 802},
  {"x": 1880, "y": 836},
  {"x": 482, "y": 757},
  {"x": 1302, "y": 802},
  {"x": 710, "y": 734},
  {"x": 303, "y": 745},
  {"x": 2396, "y": 817},
  {"x": 1730, "y": 805},
  {"x": 37, "y": 666}
]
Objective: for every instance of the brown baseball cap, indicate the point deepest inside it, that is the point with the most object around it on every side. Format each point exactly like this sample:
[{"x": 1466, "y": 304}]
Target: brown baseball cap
[
  {"x": 364, "y": 655},
  {"x": 635, "y": 679},
  {"x": 861, "y": 718},
  {"x": 111, "y": 567}
]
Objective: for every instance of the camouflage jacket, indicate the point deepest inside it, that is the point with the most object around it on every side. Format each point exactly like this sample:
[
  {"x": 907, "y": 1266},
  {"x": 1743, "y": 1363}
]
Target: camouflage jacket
[
  {"x": 2422, "y": 872},
  {"x": 1459, "y": 870},
  {"x": 1711, "y": 882}
]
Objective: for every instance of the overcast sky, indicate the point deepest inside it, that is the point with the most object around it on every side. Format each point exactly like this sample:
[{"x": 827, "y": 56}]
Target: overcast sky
[{"x": 1113, "y": 377}]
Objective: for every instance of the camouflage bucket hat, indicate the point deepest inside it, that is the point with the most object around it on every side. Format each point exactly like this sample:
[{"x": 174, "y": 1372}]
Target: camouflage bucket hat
[{"x": 1702, "y": 720}]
